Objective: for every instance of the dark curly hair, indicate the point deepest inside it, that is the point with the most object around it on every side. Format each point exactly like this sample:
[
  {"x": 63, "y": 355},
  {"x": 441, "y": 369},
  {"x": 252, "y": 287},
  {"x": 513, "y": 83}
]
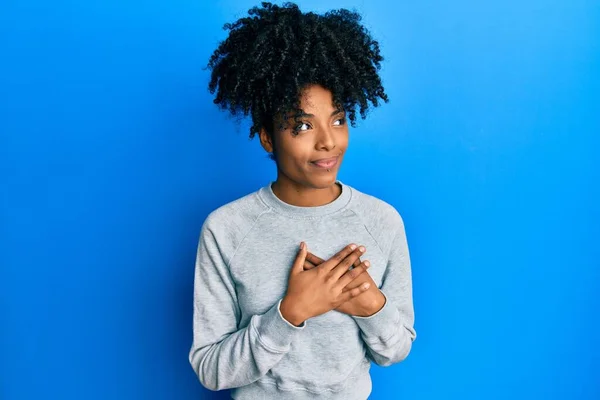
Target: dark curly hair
[{"x": 275, "y": 52}]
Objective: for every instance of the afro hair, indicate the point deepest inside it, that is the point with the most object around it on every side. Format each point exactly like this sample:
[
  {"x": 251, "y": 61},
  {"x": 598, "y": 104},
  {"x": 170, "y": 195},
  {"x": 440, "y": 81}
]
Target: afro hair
[{"x": 270, "y": 56}]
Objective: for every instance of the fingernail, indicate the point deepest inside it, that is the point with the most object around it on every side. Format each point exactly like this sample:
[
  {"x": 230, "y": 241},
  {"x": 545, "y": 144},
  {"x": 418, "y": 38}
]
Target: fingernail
[
  {"x": 367, "y": 264},
  {"x": 302, "y": 245},
  {"x": 353, "y": 247},
  {"x": 362, "y": 249}
]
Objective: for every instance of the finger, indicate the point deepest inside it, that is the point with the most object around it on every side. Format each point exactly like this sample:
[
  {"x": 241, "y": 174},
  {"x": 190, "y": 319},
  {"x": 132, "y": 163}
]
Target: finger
[
  {"x": 308, "y": 265},
  {"x": 352, "y": 275},
  {"x": 350, "y": 294},
  {"x": 339, "y": 257},
  {"x": 314, "y": 259},
  {"x": 345, "y": 264},
  {"x": 300, "y": 258},
  {"x": 362, "y": 279}
]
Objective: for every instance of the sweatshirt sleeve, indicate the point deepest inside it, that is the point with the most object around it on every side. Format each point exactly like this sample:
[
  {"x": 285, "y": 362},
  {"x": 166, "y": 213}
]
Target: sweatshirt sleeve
[
  {"x": 389, "y": 333},
  {"x": 222, "y": 355}
]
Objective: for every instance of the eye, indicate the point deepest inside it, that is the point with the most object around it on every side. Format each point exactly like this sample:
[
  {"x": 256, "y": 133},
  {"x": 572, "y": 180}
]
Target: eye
[
  {"x": 303, "y": 126},
  {"x": 340, "y": 121}
]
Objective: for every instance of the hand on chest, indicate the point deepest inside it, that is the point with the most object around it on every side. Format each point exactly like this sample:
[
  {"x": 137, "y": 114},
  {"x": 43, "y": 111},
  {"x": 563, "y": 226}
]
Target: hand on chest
[{"x": 261, "y": 267}]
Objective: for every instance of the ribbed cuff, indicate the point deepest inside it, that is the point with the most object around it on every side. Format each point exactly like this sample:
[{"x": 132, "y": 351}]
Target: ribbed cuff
[
  {"x": 381, "y": 325},
  {"x": 274, "y": 332}
]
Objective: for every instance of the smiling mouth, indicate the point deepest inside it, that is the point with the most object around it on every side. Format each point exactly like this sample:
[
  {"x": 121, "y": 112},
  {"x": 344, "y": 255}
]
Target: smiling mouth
[{"x": 326, "y": 162}]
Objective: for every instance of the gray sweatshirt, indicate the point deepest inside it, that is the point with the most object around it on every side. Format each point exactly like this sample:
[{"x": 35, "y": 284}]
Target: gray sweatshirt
[{"x": 245, "y": 253}]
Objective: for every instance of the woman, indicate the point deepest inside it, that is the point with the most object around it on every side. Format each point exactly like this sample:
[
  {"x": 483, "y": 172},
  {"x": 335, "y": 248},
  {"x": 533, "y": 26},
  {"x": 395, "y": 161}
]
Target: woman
[{"x": 284, "y": 307}]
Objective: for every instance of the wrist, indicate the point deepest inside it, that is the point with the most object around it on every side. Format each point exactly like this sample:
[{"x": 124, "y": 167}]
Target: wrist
[
  {"x": 377, "y": 304},
  {"x": 290, "y": 312}
]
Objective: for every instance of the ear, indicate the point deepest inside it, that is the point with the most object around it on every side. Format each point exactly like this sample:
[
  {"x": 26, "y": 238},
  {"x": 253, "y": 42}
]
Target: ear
[{"x": 266, "y": 141}]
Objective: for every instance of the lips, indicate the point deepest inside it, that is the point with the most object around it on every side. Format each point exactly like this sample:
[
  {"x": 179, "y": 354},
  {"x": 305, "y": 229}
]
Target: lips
[{"x": 326, "y": 162}]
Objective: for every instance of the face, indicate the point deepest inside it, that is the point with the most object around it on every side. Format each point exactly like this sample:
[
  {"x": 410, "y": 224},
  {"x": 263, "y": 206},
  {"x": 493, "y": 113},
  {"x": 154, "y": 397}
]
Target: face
[{"x": 310, "y": 156}]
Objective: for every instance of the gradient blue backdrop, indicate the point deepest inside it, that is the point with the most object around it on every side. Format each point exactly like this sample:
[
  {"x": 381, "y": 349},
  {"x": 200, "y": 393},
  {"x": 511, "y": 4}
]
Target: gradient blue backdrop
[{"x": 112, "y": 155}]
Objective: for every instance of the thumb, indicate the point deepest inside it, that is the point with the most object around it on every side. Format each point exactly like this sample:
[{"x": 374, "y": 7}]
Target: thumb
[{"x": 300, "y": 258}]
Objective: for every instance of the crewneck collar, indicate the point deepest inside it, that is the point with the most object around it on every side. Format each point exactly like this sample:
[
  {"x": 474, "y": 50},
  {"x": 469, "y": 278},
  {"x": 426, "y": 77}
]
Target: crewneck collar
[{"x": 276, "y": 204}]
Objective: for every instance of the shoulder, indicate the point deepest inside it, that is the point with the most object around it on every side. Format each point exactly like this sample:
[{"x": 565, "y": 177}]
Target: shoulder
[
  {"x": 243, "y": 210},
  {"x": 231, "y": 222},
  {"x": 375, "y": 211},
  {"x": 381, "y": 219}
]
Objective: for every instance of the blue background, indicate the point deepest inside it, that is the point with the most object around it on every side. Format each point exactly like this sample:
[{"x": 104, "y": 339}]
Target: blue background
[{"x": 112, "y": 154}]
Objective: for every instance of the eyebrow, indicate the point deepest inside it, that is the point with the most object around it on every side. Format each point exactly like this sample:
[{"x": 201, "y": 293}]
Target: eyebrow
[{"x": 305, "y": 115}]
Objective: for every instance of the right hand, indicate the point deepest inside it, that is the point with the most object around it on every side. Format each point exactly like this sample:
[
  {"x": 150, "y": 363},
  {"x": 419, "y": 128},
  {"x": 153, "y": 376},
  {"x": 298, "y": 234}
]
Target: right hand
[{"x": 316, "y": 291}]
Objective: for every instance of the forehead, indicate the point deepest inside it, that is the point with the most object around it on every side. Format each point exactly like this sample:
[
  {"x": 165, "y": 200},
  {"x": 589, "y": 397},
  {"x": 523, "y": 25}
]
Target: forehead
[{"x": 315, "y": 99}]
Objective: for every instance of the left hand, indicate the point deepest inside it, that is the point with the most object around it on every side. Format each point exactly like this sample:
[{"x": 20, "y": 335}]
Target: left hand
[{"x": 365, "y": 305}]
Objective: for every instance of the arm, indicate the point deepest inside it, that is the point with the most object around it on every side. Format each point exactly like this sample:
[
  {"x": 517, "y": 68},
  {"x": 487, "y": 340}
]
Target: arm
[
  {"x": 389, "y": 333},
  {"x": 222, "y": 355}
]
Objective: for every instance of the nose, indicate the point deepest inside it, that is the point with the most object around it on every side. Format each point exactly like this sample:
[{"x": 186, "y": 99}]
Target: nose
[{"x": 325, "y": 139}]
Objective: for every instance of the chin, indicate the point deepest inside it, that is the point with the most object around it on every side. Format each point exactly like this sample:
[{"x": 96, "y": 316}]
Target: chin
[{"x": 323, "y": 181}]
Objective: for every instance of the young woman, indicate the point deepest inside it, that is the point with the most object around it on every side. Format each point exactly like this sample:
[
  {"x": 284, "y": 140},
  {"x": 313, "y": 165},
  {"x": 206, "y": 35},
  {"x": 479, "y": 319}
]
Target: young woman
[{"x": 284, "y": 306}]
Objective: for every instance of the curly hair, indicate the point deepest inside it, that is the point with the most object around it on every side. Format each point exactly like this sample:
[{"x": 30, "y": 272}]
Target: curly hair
[{"x": 270, "y": 56}]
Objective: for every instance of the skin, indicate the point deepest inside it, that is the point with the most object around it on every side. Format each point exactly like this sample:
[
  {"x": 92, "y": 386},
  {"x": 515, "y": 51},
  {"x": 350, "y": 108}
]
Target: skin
[
  {"x": 321, "y": 289},
  {"x": 323, "y": 133},
  {"x": 365, "y": 305}
]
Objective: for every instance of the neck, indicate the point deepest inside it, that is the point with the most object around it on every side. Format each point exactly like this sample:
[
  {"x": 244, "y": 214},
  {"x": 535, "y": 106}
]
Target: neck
[{"x": 300, "y": 195}]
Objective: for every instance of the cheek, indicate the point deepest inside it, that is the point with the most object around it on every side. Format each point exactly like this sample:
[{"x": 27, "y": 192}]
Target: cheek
[
  {"x": 296, "y": 148},
  {"x": 293, "y": 152},
  {"x": 342, "y": 141}
]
